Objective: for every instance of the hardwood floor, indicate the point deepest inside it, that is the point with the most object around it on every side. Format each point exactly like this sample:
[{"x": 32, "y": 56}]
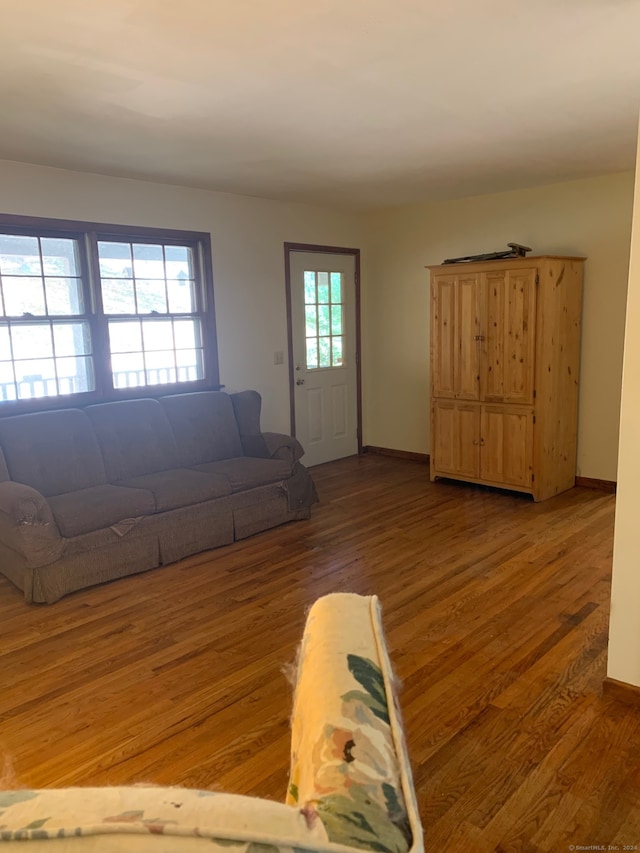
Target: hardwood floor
[{"x": 496, "y": 614}]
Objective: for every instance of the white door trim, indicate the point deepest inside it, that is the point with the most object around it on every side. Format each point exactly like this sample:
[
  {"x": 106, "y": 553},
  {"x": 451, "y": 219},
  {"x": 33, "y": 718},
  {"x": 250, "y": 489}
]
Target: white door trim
[{"x": 329, "y": 250}]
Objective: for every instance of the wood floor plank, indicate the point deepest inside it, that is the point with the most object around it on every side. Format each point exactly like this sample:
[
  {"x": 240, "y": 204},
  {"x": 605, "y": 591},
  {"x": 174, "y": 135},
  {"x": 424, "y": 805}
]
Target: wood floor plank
[{"x": 496, "y": 612}]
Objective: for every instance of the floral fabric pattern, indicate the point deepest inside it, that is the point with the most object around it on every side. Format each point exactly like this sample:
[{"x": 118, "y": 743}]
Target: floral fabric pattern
[
  {"x": 346, "y": 765},
  {"x": 358, "y": 804}
]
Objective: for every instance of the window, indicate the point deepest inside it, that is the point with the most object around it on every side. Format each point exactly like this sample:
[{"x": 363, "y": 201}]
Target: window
[
  {"x": 324, "y": 308},
  {"x": 91, "y": 311}
]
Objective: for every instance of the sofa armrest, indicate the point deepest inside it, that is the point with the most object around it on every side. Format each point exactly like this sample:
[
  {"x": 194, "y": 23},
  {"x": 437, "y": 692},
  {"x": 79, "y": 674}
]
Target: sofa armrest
[
  {"x": 156, "y": 819},
  {"x": 27, "y": 524},
  {"x": 280, "y": 446},
  {"x": 349, "y": 763},
  {"x": 267, "y": 445}
]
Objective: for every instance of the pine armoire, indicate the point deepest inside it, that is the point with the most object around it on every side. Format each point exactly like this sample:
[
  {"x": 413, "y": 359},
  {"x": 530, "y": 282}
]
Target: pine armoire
[{"x": 505, "y": 357}]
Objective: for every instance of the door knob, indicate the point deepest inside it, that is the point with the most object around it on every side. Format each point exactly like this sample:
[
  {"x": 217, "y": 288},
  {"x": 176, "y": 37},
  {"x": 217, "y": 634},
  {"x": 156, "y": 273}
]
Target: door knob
[{"x": 299, "y": 381}]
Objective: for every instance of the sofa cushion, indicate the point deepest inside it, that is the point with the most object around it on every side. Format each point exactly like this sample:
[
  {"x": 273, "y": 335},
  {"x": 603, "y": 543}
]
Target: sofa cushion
[
  {"x": 204, "y": 425},
  {"x": 248, "y": 472},
  {"x": 180, "y": 487},
  {"x": 53, "y": 452},
  {"x": 99, "y": 506},
  {"x": 246, "y": 407},
  {"x": 135, "y": 437}
]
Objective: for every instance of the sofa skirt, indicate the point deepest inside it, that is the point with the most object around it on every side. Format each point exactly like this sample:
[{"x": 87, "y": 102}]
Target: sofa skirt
[{"x": 262, "y": 508}]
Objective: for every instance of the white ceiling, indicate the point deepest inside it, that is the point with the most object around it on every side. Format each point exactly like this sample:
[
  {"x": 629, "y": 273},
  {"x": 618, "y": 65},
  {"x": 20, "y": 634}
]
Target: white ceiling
[{"x": 361, "y": 103}]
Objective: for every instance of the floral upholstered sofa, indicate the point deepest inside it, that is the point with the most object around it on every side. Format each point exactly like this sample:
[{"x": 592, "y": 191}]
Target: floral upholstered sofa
[{"x": 350, "y": 784}]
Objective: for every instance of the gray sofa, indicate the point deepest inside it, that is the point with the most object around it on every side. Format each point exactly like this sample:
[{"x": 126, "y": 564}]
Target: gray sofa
[{"x": 89, "y": 495}]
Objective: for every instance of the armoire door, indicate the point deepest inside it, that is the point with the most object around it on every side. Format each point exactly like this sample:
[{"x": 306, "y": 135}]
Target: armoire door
[
  {"x": 443, "y": 336},
  {"x": 456, "y": 429},
  {"x": 468, "y": 336},
  {"x": 455, "y": 336},
  {"x": 506, "y": 445},
  {"x": 509, "y": 303}
]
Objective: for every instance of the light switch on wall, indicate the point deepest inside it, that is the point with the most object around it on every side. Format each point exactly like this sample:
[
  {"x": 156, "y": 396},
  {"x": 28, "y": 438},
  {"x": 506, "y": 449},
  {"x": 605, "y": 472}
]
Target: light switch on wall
[{"x": 278, "y": 357}]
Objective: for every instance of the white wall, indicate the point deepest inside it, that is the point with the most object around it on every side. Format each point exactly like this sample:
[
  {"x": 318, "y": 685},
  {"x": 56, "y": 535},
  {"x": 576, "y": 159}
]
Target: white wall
[
  {"x": 624, "y": 626},
  {"x": 588, "y": 217},
  {"x": 248, "y": 255}
]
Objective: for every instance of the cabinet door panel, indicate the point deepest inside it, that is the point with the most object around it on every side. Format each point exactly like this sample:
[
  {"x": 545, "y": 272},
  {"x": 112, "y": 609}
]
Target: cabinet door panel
[
  {"x": 456, "y": 446},
  {"x": 506, "y": 454},
  {"x": 468, "y": 445},
  {"x": 443, "y": 441},
  {"x": 519, "y": 341},
  {"x": 443, "y": 336},
  {"x": 467, "y": 331},
  {"x": 509, "y": 298},
  {"x": 492, "y": 375}
]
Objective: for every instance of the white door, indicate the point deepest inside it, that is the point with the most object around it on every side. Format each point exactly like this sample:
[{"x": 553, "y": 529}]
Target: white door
[{"x": 323, "y": 314}]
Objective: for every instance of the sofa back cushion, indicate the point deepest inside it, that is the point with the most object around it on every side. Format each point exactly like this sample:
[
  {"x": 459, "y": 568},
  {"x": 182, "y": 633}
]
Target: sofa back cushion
[
  {"x": 53, "y": 452},
  {"x": 135, "y": 438},
  {"x": 246, "y": 407},
  {"x": 204, "y": 425}
]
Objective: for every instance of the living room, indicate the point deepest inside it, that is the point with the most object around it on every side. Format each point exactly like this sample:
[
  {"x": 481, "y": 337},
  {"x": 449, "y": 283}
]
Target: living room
[{"x": 590, "y": 214}]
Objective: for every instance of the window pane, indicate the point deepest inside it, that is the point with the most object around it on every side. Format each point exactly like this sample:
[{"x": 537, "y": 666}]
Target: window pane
[
  {"x": 336, "y": 319},
  {"x": 5, "y": 344},
  {"x": 336, "y": 287},
  {"x": 324, "y": 325},
  {"x": 161, "y": 367},
  {"x": 309, "y": 286},
  {"x": 60, "y": 257},
  {"x": 71, "y": 339},
  {"x": 64, "y": 296},
  {"x": 336, "y": 352},
  {"x": 179, "y": 262},
  {"x": 36, "y": 378},
  {"x": 148, "y": 261},
  {"x": 312, "y": 353},
  {"x": 125, "y": 336},
  {"x": 32, "y": 341},
  {"x": 156, "y": 334},
  {"x": 128, "y": 370},
  {"x": 187, "y": 334},
  {"x": 23, "y": 295},
  {"x": 190, "y": 365},
  {"x": 182, "y": 297},
  {"x": 325, "y": 352},
  {"x": 311, "y": 317},
  {"x": 323, "y": 287},
  {"x": 19, "y": 255},
  {"x": 118, "y": 296},
  {"x": 115, "y": 260},
  {"x": 7, "y": 385},
  {"x": 75, "y": 375},
  {"x": 161, "y": 376},
  {"x": 151, "y": 296}
]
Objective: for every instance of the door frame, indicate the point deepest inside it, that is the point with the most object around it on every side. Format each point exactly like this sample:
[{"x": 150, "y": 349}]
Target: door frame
[{"x": 323, "y": 250}]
